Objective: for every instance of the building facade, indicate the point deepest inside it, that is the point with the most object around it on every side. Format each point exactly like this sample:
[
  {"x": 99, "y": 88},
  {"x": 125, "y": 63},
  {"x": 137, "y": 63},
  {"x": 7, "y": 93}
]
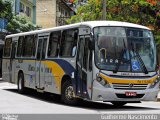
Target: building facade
[
  {"x": 51, "y": 13},
  {"x": 25, "y": 7}
]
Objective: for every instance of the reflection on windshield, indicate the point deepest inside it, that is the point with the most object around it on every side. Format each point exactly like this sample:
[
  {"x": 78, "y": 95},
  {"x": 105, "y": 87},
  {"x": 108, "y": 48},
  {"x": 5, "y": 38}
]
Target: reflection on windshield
[{"x": 114, "y": 49}]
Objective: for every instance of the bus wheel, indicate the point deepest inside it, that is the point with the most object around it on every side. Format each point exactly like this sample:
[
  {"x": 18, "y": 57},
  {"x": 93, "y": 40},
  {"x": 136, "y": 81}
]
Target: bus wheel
[
  {"x": 68, "y": 96},
  {"x": 118, "y": 104},
  {"x": 21, "y": 88}
]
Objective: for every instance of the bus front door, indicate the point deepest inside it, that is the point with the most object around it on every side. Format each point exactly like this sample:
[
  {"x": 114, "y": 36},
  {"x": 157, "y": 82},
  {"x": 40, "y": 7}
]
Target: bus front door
[
  {"x": 40, "y": 66},
  {"x": 82, "y": 68}
]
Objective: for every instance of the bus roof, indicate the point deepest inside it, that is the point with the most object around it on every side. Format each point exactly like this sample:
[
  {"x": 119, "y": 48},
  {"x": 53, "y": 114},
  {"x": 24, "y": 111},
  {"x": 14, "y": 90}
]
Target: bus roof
[{"x": 91, "y": 24}]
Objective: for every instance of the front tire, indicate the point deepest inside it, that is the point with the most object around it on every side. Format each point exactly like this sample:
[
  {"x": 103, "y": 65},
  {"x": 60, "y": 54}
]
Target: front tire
[
  {"x": 68, "y": 96},
  {"x": 21, "y": 88}
]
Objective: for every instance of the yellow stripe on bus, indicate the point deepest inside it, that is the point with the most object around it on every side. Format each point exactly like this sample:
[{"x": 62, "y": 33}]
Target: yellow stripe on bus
[
  {"x": 127, "y": 81},
  {"x": 57, "y": 72}
]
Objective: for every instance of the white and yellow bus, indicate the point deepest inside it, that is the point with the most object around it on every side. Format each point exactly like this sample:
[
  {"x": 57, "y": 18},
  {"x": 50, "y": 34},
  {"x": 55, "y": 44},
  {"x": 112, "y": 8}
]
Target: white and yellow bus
[{"x": 106, "y": 61}]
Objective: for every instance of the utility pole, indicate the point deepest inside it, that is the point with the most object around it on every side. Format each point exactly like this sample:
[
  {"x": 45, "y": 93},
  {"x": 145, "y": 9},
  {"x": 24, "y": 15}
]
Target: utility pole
[{"x": 104, "y": 10}]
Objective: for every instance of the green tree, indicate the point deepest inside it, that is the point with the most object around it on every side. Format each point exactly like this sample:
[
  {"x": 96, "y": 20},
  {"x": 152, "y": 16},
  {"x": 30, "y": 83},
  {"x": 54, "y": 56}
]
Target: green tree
[
  {"x": 20, "y": 23},
  {"x": 90, "y": 11},
  {"x": 144, "y": 12},
  {"x": 5, "y": 9}
]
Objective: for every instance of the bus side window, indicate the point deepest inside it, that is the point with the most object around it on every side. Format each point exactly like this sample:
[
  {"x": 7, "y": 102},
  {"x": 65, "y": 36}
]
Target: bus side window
[
  {"x": 20, "y": 46},
  {"x": 53, "y": 44},
  {"x": 69, "y": 43},
  {"x": 28, "y": 46},
  {"x": 7, "y": 47}
]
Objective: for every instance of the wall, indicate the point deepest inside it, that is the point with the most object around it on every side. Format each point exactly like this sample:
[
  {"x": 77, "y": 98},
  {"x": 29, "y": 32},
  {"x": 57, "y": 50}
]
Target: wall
[{"x": 46, "y": 13}]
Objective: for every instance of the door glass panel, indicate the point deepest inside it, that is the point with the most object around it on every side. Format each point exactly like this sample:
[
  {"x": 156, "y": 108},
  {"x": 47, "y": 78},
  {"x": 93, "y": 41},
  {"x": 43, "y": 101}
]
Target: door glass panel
[
  {"x": 80, "y": 56},
  {"x": 44, "y": 47},
  {"x": 85, "y": 56},
  {"x": 84, "y": 81},
  {"x": 40, "y": 43},
  {"x": 82, "y": 65}
]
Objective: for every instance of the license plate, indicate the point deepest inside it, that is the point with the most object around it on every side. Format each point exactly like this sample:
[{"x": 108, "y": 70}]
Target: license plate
[{"x": 131, "y": 93}]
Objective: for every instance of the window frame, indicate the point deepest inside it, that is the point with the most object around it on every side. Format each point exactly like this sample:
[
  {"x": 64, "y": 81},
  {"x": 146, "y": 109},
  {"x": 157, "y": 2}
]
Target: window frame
[
  {"x": 29, "y": 54},
  {"x": 5, "y": 48},
  {"x": 22, "y": 54},
  {"x": 39, "y": 36},
  {"x": 28, "y": 11},
  {"x": 58, "y": 46},
  {"x": 22, "y": 7},
  {"x": 16, "y": 56},
  {"x": 74, "y": 29}
]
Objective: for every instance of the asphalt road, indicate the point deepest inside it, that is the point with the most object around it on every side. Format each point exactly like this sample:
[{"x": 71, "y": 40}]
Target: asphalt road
[{"x": 36, "y": 103}]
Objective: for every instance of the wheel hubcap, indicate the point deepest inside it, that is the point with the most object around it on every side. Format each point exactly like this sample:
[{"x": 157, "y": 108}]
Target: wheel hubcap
[
  {"x": 69, "y": 93},
  {"x": 20, "y": 83}
]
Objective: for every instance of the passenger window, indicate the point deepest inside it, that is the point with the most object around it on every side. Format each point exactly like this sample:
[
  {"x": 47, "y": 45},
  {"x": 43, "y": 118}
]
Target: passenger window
[
  {"x": 53, "y": 44},
  {"x": 29, "y": 46},
  {"x": 7, "y": 47},
  {"x": 69, "y": 43},
  {"x": 20, "y": 46}
]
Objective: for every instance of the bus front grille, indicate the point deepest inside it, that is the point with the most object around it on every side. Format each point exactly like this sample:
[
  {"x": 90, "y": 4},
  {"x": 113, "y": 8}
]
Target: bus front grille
[
  {"x": 130, "y": 86},
  {"x": 124, "y": 96}
]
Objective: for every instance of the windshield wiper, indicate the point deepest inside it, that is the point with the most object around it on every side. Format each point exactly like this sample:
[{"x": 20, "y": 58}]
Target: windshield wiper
[
  {"x": 140, "y": 59},
  {"x": 121, "y": 58}
]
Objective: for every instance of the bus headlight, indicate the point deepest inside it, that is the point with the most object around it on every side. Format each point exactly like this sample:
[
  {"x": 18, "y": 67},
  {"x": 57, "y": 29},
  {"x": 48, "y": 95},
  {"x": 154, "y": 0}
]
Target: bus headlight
[
  {"x": 103, "y": 82},
  {"x": 155, "y": 83}
]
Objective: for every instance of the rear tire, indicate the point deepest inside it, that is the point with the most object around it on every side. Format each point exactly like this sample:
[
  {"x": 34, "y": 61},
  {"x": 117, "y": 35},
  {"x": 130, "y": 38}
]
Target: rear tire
[
  {"x": 68, "y": 96},
  {"x": 21, "y": 88},
  {"x": 119, "y": 104}
]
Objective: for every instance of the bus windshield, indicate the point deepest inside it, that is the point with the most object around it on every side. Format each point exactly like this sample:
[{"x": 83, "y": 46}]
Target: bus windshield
[{"x": 124, "y": 49}]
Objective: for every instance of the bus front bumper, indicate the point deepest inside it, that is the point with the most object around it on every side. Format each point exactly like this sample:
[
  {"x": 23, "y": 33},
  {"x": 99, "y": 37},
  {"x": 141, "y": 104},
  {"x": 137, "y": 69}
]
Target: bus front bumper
[{"x": 101, "y": 93}]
